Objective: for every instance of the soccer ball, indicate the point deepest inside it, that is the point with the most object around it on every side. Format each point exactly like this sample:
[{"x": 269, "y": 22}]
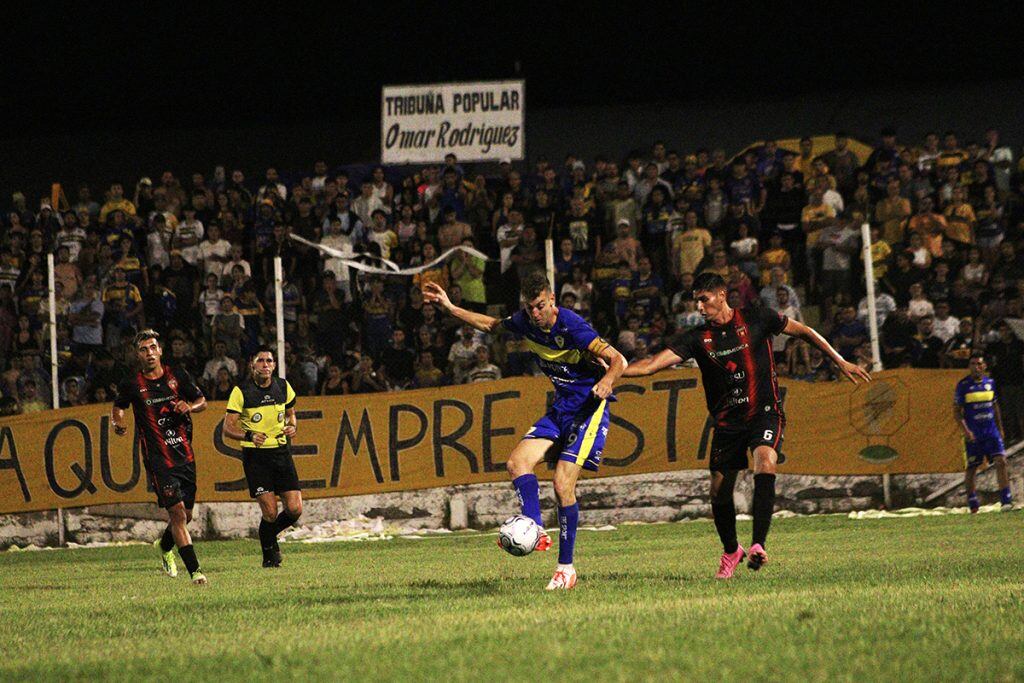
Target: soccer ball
[{"x": 519, "y": 535}]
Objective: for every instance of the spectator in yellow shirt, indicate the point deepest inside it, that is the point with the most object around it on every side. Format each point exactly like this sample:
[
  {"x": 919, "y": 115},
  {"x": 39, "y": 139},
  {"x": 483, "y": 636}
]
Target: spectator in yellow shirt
[
  {"x": 881, "y": 250},
  {"x": 774, "y": 256},
  {"x": 689, "y": 245},
  {"x": 960, "y": 219},
  {"x": 892, "y": 213},
  {"x": 116, "y": 202}
]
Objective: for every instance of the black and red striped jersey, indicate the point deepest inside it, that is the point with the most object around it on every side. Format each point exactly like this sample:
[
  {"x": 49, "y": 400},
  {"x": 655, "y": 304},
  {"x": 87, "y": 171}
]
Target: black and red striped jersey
[
  {"x": 736, "y": 363},
  {"x": 164, "y": 436}
]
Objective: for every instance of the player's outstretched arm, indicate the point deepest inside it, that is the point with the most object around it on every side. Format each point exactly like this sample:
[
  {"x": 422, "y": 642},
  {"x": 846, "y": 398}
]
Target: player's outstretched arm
[
  {"x": 614, "y": 363},
  {"x": 851, "y": 371},
  {"x": 433, "y": 293},
  {"x": 652, "y": 364}
]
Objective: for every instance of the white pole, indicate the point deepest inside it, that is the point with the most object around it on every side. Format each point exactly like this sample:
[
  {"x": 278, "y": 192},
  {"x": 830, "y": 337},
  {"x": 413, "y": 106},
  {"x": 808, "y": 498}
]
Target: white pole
[
  {"x": 876, "y": 355},
  {"x": 549, "y": 262},
  {"x": 279, "y": 311},
  {"x": 54, "y": 381},
  {"x": 869, "y": 282}
]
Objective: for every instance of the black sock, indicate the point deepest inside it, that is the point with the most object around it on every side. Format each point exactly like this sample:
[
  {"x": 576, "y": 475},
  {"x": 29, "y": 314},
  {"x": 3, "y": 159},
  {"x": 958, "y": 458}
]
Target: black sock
[
  {"x": 725, "y": 522},
  {"x": 764, "y": 505},
  {"x": 268, "y": 536},
  {"x": 167, "y": 540},
  {"x": 284, "y": 520},
  {"x": 188, "y": 556}
]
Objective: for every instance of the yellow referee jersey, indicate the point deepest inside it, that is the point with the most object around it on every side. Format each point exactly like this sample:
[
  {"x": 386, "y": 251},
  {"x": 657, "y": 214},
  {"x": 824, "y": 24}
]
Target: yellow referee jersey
[{"x": 261, "y": 409}]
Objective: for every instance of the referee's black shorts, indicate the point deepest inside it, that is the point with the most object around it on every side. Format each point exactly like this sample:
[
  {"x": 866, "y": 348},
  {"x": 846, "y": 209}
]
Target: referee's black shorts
[{"x": 269, "y": 470}]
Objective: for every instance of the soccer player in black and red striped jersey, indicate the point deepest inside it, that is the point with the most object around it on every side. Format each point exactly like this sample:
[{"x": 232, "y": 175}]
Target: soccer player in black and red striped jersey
[
  {"x": 163, "y": 399},
  {"x": 733, "y": 350}
]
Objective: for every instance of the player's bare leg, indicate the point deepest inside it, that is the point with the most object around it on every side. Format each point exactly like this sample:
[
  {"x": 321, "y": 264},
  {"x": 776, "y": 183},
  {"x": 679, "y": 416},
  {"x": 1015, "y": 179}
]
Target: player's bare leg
[
  {"x": 165, "y": 544},
  {"x": 566, "y": 476},
  {"x": 1005, "y": 498},
  {"x": 179, "y": 517},
  {"x": 972, "y": 492},
  {"x": 765, "y": 460},
  {"x": 723, "y": 510},
  {"x": 524, "y": 458}
]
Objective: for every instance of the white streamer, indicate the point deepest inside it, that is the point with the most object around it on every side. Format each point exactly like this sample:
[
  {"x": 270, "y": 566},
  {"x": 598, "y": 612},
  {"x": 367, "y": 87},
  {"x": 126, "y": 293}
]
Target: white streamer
[{"x": 392, "y": 267}]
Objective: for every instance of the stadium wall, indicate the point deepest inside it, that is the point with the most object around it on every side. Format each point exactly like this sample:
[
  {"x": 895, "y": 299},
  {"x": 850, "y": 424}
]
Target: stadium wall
[{"x": 645, "y": 498}]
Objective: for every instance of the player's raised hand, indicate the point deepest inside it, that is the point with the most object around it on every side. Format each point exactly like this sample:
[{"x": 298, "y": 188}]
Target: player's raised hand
[
  {"x": 854, "y": 372},
  {"x": 433, "y": 293},
  {"x": 120, "y": 430}
]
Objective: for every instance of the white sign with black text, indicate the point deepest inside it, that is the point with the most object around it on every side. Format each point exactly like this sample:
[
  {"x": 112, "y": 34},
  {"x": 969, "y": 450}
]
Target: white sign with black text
[{"x": 474, "y": 121}]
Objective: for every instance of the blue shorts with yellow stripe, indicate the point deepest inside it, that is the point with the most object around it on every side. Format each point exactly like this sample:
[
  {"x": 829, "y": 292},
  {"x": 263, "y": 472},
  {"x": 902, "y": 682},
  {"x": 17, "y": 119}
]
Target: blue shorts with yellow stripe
[
  {"x": 985, "y": 446},
  {"x": 580, "y": 435}
]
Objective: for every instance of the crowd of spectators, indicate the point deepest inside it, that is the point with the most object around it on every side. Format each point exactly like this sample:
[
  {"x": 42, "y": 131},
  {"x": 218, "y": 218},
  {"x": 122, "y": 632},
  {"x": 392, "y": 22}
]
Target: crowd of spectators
[{"x": 194, "y": 259}]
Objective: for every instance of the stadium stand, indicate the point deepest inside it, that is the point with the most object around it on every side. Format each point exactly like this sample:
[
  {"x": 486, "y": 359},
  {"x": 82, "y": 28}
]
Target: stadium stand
[{"x": 781, "y": 221}]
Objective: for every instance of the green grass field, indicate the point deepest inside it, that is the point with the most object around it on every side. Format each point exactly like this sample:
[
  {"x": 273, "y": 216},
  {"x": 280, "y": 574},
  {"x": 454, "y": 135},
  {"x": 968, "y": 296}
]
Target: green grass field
[{"x": 938, "y": 598}]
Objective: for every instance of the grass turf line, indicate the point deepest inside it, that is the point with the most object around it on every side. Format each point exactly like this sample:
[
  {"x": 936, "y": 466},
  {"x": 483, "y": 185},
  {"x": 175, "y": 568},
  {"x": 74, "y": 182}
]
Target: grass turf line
[{"x": 934, "y": 598}]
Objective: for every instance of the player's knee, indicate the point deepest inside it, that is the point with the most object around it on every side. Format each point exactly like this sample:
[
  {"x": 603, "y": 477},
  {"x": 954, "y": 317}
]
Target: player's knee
[
  {"x": 517, "y": 466},
  {"x": 765, "y": 460},
  {"x": 295, "y": 510},
  {"x": 177, "y": 514},
  {"x": 565, "y": 490}
]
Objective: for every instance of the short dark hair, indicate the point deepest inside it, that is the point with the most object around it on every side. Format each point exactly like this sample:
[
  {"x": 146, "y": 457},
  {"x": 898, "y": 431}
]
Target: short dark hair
[
  {"x": 534, "y": 284},
  {"x": 978, "y": 354},
  {"x": 145, "y": 335},
  {"x": 708, "y": 282},
  {"x": 264, "y": 348}
]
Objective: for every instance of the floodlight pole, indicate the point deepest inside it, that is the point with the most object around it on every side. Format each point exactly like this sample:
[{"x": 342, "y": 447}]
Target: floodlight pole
[
  {"x": 876, "y": 355},
  {"x": 54, "y": 369},
  {"x": 549, "y": 262},
  {"x": 279, "y": 312}
]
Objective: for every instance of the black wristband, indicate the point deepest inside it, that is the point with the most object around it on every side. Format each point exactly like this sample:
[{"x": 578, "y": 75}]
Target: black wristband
[{"x": 248, "y": 436}]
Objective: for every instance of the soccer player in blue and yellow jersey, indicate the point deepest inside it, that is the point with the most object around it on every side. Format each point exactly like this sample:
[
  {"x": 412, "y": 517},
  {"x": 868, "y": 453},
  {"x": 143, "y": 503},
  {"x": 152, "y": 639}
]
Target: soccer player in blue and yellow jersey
[
  {"x": 976, "y": 410},
  {"x": 583, "y": 368}
]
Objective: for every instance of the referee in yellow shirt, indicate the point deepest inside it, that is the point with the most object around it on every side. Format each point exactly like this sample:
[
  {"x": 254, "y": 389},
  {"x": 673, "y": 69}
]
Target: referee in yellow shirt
[{"x": 261, "y": 415}]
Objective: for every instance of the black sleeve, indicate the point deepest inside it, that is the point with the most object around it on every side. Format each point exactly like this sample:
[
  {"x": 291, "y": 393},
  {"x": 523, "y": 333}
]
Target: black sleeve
[
  {"x": 188, "y": 385},
  {"x": 125, "y": 394},
  {"x": 682, "y": 345},
  {"x": 772, "y": 321}
]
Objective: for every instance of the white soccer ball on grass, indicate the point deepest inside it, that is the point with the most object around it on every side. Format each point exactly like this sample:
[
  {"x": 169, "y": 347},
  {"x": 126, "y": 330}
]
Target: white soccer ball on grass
[{"x": 519, "y": 535}]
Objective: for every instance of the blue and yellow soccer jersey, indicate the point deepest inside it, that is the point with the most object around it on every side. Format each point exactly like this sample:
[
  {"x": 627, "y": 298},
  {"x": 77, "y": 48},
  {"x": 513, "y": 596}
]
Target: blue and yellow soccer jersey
[
  {"x": 566, "y": 354},
  {"x": 577, "y": 422},
  {"x": 978, "y": 402}
]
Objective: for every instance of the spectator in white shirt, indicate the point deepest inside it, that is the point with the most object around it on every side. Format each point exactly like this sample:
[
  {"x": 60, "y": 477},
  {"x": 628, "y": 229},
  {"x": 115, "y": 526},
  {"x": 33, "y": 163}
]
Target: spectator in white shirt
[
  {"x": 919, "y": 306},
  {"x": 884, "y": 305},
  {"x": 237, "y": 259},
  {"x": 214, "y": 251}
]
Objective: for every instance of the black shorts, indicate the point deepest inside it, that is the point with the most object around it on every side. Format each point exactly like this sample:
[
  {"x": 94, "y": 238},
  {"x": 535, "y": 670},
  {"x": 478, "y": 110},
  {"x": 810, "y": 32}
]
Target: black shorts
[
  {"x": 269, "y": 470},
  {"x": 175, "y": 485},
  {"x": 730, "y": 445}
]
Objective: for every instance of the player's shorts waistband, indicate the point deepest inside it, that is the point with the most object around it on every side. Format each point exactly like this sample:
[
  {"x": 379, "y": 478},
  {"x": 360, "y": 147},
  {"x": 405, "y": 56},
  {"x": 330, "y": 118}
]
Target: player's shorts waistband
[{"x": 283, "y": 449}]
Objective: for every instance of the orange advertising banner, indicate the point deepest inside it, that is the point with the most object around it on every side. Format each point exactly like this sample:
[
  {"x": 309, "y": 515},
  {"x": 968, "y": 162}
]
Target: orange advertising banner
[{"x": 346, "y": 445}]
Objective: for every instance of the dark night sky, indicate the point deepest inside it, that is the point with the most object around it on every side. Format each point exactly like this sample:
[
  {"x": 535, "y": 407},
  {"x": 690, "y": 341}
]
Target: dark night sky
[{"x": 144, "y": 68}]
